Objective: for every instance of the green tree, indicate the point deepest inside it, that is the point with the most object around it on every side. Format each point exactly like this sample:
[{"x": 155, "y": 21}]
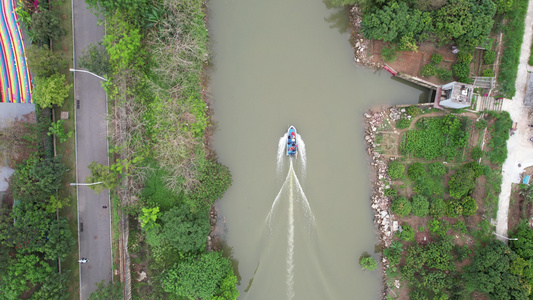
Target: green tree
[
  {"x": 461, "y": 182},
  {"x": 107, "y": 291},
  {"x": 416, "y": 170},
  {"x": 481, "y": 124},
  {"x": 413, "y": 111},
  {"x": 149, "y": 216},
  {"x": 401, "y": 206},
  {"x": 490, "y": 273},
  {"x": 214, "y": 179},
  {"x": 420, "y": 206},
  {"x": 444, "y": 74},
  {"x": 228, "y": 288},
  {"x": 95, "y": 59},
  {"x": 394, "y": 253},
  {"x": 436, "y": 59},
  {"x": 50, "y": 91},
  {"x": 102, "y": 173},
  {"x": 45, "y": 26},
  {"x": 56, "y": 203},
  {"x": 54, "y": 287},
  {"x": 368, "y": 263},
  {"x": 38, "y": 178},
  {"x": 476, "y": 153},
  {"x": 396, "y": 22},
  {"x": 395, "y": 170},
  {"x": 197, "y": 277},
  {"x": 184, "y": 230},
  {"x": 503, "y": 6},
  {"x": 44, "y": 62},
  {"x": 123, "y": 42},
  {"x": 461, "y": 71},
  {"x": 28, "y": 233},
  {"x": 59, "y": 240},
  {"x": 25, "y": 272}
]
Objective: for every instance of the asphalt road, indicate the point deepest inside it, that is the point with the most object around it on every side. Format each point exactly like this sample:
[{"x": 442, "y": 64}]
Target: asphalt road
[{"x": 91, "y": 145}]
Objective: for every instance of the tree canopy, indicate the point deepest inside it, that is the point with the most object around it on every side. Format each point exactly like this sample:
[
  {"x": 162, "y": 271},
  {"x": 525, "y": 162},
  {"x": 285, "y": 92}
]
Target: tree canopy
[
  {"x": 197, "y": 277},
  {"x": 184, "y": 230}
]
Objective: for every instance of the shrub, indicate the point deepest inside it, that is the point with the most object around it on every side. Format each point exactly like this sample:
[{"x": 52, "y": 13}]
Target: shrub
[
  {"x": 420, "y": 206},
  {"x": 481, "y": 124},
  {"x": 401, "y": 206},
  {"x": 389, "y": 54},
  {"x": 403, "y": 123},
  {"x": 437, "y": 169},
  {"x": 476, "y": 153},
  {"x": 461, "y": 71},
  {"x": 436, "y": 58},
  {"x": 437, "y": 208},
  {"x": 469, "y": 206},
  {"x": 395, "y": 170},
  {"x": 454, "y": 208},
  {"x": 489, "y": 57},
  {"x": 416, "y": 170},
  {"x": 413, "y": 111},
  {"x": 368, "y": 263},
  {"x": 444, "y": 74},
  {"x": 476, "y": 167},
  {"x": 391, "y": 193},
  {"x": 487, "y": 73},
  {"x": 408, "y": 233},
  {"x": 428, "y": 70},
  {"x": 464, "y": 57}
]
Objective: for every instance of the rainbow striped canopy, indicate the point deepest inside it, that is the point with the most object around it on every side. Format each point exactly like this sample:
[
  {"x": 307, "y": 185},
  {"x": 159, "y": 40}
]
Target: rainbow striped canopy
[{"x": 15, "y": 78}]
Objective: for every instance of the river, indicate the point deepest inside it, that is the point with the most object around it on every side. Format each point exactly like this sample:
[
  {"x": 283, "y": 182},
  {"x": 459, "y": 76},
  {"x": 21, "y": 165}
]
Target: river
[{"x": 279, "y": 63}]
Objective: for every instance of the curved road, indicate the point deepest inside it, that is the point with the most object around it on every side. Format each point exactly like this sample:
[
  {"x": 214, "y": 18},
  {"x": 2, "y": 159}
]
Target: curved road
[
  {"x": 520, "y": 149},
  {"x": 91, "y": 145}
]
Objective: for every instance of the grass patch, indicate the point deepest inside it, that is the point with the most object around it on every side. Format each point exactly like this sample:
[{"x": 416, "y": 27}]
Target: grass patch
[
  {"x": 68, "y": 149},
  {"x": 514, "y": 32}
]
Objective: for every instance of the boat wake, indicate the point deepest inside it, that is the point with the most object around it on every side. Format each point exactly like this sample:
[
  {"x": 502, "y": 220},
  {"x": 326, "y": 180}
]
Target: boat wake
[{"x": 294, "y": 193}]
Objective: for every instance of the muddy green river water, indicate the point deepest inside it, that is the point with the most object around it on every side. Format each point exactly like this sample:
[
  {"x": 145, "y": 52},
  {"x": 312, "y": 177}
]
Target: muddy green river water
[{"x": 295, "y": 230}]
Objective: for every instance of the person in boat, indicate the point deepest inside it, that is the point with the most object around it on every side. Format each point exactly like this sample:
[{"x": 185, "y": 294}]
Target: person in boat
[{"x": 292, "y": 148}]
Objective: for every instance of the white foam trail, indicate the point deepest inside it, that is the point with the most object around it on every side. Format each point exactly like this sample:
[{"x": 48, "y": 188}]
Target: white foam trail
[
  {"x": 290, "y": 238},
  {"x": 307, "y": 208},
  {"x": 302, "y": 154},
  {"x": 282, "y": 146},
  {"x": 272, "y": 210}
]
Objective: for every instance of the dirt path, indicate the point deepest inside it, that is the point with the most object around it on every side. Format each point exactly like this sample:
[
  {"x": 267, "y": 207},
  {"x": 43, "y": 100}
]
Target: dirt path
[{"x": 519, "y": 146}]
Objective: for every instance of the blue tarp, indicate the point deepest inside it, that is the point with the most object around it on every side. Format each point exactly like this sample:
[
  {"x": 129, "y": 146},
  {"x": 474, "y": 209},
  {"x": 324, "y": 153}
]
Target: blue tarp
[{"x": 526, "y": 179}]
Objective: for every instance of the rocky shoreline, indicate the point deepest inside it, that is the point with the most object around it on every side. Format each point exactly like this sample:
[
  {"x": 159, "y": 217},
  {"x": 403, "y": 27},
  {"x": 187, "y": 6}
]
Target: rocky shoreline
[{"x": 380, "y": 181}]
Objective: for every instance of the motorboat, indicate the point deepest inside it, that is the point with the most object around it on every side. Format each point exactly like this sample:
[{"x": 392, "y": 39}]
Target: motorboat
[{"x": 292, "y": 142}]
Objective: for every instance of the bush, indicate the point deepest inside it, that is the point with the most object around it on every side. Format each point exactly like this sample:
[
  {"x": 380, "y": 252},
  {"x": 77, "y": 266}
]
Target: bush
[
  {"x": 413, "y": 111},
  {"x": 487, "y": 73},
  {"x": 454, "y": 208},
  {"x": 416, "y": 170},
  {"x": 408, "y": 233},
  {"x": 461, "y": 182},
  {"x": 389, "y": 54},
  {"x": 489, "y": 57},
  {"x": 461, "y": 71},
  {"x": 469, "y": 206},
  {"x": 481, "y": 124},
  {"x": 403, "y": 123},
  {"x": 444, "y": 74},
  {"x": 464, "y": 57},
  {"x": 368, "y": 263},
  {"x": 395, "y": 170},
  {"x": 428, "y": 70},
  {"x": 420, "y": 206},
  {"x": 436, "y": 58},
  {"x": 437, "y": 208},
  {"x": 476, "y": 153},
  {"x": 437, "y": 169},
  {"x": 401, "y": 206},
  {"x": 391, "y": 193}
]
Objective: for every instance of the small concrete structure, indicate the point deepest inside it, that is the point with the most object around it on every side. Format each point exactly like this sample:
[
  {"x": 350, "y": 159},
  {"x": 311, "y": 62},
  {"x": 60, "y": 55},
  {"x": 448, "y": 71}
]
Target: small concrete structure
[{"x": 456, "y": 95}]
